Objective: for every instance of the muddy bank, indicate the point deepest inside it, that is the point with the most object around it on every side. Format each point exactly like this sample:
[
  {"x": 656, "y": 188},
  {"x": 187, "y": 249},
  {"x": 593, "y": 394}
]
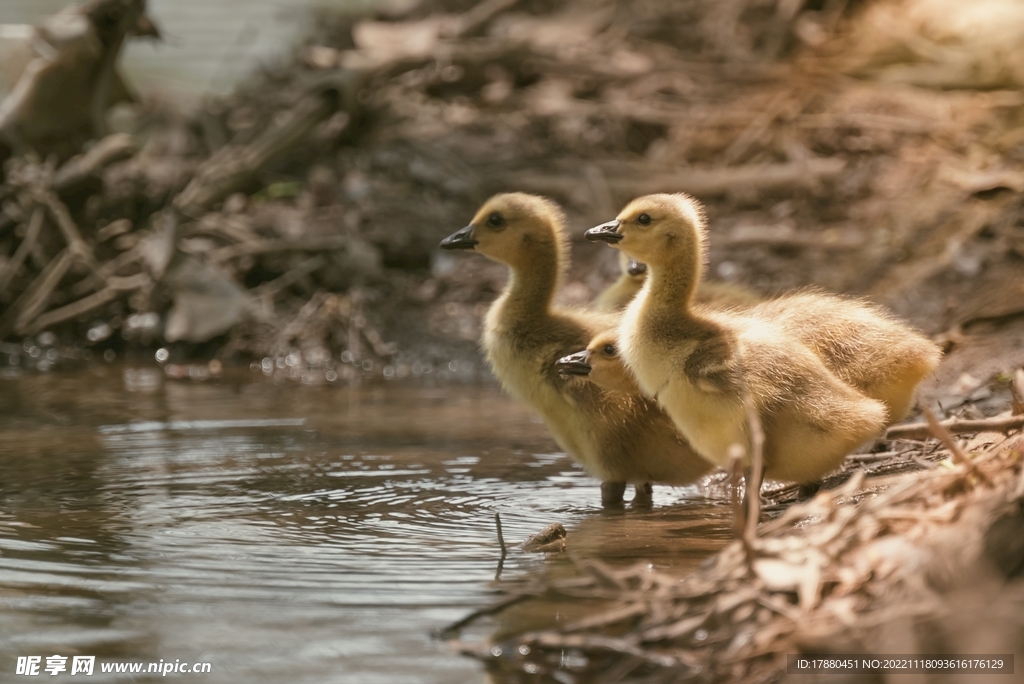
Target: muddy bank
[{"x": 926, "y": 562}]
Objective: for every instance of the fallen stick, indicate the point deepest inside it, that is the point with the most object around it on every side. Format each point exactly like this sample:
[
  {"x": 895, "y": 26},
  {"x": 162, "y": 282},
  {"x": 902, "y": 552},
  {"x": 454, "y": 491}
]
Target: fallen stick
[
  {"x": 101, "y": 275},
  {"x": 958, "y": 455},
  {"x": 955, "y": 426},
  {"x": 233, "y": 167},
  {"x": 453, "y": 628},
  {"x": 111, "y": 149},
  {"x": 1016, "y": 390},
  {"x": 328, "y": 242},
  {"x": 35, "y": 227},
  {"x": 755, "y": 477},
  {"x": 598, "y": 643},
  {"x": 696, "y": 181},
  {"x": 501, "y": 537},
  {"x": 33, "y": 299},
  {"x": 117, "y": 288},
  {"x": 290, "y": 277},
  {"x": 501, "y": 543},
  {"x": 67, "y": 226},
  {"x": 477, "y": 16}
]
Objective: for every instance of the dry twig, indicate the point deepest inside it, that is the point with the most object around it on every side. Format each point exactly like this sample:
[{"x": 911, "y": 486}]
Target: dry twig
[{"x": 957, "y": 426}]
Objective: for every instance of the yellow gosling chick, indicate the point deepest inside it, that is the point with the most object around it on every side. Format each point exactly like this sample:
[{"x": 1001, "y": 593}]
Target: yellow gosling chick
[
  {"x": 600, "y": 363},
  {"x": 620, "y": 293},
  {"x": 617, "y": 437},
  {"x": 861, "y": 343},
  {"x": 700, "y": 363}
]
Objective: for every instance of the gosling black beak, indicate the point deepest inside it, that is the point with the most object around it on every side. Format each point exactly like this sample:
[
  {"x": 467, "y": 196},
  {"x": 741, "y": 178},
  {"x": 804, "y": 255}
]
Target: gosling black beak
[
  {"x": 460, "y": 239},
  {"x": 144, "y": 26},
  {"x": 636, "y": 268},
  {"x": 606, "y": 232},
  {"x": 573, "y": 364}
]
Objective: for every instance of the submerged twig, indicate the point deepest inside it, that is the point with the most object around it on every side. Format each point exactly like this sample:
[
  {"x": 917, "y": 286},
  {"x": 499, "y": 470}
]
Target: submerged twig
[
  {"x": 501, "y": 537},
  {"x": 501, "y": 543},
  {"x": 453, "y": 629}
]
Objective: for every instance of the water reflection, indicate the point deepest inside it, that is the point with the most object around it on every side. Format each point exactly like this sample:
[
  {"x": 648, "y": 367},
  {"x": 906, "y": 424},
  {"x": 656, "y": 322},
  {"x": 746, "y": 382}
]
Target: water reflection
[{"x": 283, "y": 533}]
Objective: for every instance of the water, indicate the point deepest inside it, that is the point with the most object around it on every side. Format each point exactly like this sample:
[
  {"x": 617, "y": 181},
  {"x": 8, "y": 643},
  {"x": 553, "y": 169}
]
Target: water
[
  {"x": 284, "y": 532},
  {"x": 209, "y": 44}
]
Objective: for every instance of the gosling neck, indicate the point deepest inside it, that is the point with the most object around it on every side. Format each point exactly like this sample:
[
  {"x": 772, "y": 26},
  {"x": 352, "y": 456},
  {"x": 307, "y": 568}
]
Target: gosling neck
[
  {"x": 673, "y": 286},
  {"x": 532, "y": 285}
]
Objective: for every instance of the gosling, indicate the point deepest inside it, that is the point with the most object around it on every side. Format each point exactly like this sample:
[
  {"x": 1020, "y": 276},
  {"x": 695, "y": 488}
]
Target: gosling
[
  {"x": 862, "y": 344},
  {"x": 600, "y": 364},
  {"x": 701, "y": 365},
  {"x": 619, "y": 294},
  {"x": 619, "y": 438}
]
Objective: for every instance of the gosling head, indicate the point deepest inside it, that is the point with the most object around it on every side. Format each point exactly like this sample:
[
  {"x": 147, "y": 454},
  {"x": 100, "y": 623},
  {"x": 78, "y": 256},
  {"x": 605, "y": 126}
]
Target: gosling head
[
  {"x": 656, "y": 229},
  {"x": 513, "y": 228},
  {"x": 600, "y": 363}
]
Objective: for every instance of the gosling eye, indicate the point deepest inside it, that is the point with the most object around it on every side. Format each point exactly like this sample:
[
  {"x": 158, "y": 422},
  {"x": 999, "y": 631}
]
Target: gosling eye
[
  {"x": 609, "y": 350},
  {"x": 644, "y": 219},
  {"x": 495, "y": 221}
]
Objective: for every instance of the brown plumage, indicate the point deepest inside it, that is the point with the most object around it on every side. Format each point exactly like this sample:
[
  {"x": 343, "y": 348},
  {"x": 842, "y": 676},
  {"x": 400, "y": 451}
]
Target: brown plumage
[
  {"x": 616, "y": 437},
  {"x": 699, "y": 363}
]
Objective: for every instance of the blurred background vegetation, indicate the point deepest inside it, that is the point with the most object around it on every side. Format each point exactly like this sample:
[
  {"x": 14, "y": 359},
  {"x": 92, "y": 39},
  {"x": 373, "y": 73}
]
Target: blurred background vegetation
[{"x": 284, "y": 170}]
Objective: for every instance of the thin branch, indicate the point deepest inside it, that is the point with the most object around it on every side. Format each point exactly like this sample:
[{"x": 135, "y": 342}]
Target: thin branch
[
  {"x": 735, "y": 479},
  {"x": 501, "y": 542},
  {"x": 327, "y": 242},
  {"x": 955, "y": 426},
  {"x": 48, "y": 281},
  {"x": 105, "y": 272},
  {"x": 34, "y": 298},
  {"x": 1017, "y": 390},
  {"x": 87, "y": 304},
  {"x": 756, "y": 476},
  {"x": 67, "y": 226},
  {"x": 35, "y": 227},
  {"x": 290, "y": 277},
  {"x": 454, "y": 628},
  {"x": 501, "y": 537},
  {"x": 958, "y": 455}
]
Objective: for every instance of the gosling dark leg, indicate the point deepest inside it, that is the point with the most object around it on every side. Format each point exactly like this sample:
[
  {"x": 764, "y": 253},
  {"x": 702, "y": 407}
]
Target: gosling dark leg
[
  {"x": 611, "y": 493},
  {"x": 644, "y": 495},
  {"x": 807, "y": 490}
]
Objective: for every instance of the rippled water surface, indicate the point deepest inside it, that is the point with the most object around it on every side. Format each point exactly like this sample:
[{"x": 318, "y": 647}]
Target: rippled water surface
[{"x": 284, "y": 532}]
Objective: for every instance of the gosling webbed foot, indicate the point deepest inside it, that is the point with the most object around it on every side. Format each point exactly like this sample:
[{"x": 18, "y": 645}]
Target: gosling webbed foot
[
  {"x": 611, "y": 493},
  {"x": 644, "y": 495}
]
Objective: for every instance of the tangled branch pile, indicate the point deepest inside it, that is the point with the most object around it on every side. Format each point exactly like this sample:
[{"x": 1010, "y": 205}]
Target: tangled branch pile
[{"x": 297, "y": 219}]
